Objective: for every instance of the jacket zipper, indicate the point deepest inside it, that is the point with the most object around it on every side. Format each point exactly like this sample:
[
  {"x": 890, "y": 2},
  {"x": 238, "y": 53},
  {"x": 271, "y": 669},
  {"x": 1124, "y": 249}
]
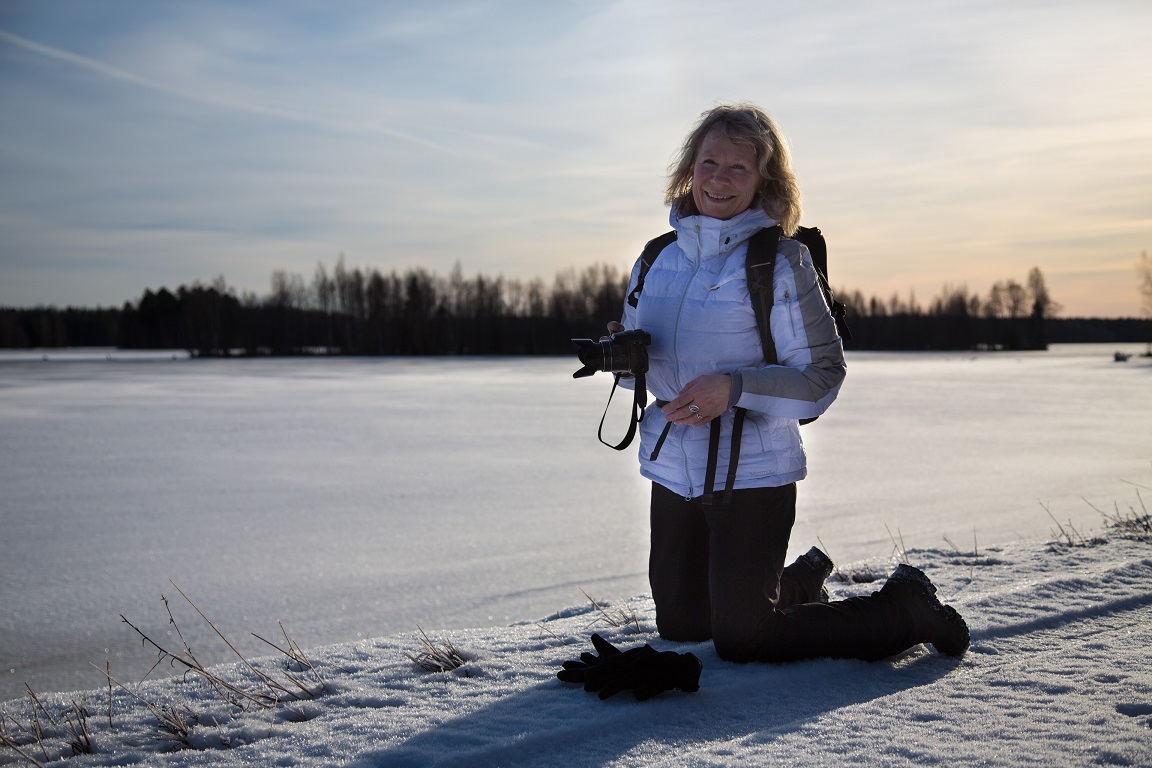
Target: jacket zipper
[
  {"x": 788, "y": 309},
  {"x": 676, "y": 335},
  {"x": 680, "y": 307}
]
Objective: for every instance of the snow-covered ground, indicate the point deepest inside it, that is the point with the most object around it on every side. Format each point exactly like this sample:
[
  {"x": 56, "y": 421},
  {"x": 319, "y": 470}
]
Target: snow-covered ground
[
  {"x": 358, "y": 499},
  {"x": 1059, "y": 673}
]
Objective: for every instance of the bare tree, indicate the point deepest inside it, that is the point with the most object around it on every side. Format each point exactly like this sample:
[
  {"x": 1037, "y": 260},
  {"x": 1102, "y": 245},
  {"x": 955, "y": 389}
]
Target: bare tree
[
  {"x": 1042, "y": 303},
  {"x": 537, "y": 301},
  {"x": 952, "y": 302},
  {"x": 1015, "y": 299},
  {"x": 896, "y": 306},
  {"x": 994, "y": 307},
  {"x": 1144, "y": 271},
  {"x": 324, "y": 296},
  {"x": 323, "y": 290},
  {"x": 288, "y": 290}
]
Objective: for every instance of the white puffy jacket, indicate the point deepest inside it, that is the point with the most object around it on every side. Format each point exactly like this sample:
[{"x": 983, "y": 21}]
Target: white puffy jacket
[{"x": 696, "y": 306}]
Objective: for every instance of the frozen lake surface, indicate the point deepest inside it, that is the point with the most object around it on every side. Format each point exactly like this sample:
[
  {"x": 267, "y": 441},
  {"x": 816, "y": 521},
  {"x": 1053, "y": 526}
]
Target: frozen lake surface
[{"x": 355, "y": 498}]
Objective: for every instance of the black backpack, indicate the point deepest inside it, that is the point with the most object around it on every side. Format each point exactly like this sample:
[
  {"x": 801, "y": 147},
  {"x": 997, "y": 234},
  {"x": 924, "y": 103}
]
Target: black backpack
[{"x": 760, "y": 265}]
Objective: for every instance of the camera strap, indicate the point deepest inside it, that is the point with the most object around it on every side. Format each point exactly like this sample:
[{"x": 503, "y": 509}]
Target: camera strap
[
  {"x": 639, "y": 402},
  {"x": 663, "y": 433}
]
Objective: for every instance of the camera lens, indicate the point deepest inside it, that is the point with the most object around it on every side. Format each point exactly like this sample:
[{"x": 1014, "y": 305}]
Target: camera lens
[
  {"x": 590, "y": 356},
  {"x": 623, "y": 352}
]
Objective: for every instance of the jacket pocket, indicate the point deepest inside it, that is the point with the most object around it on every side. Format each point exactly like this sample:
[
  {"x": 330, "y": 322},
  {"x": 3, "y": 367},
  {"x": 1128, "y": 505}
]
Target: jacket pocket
[{"x": 787, "y": 303}]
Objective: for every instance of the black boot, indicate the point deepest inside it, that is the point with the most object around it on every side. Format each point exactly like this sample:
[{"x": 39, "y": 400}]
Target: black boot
[
  {"x": 818, "y": 562},
  {"x": 803, "y": 580},
  {"x": 935, "y": 623}
]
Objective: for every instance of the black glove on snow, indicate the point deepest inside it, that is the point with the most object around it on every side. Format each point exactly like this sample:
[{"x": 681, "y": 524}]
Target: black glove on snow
[{"x": 644, "y": 670}]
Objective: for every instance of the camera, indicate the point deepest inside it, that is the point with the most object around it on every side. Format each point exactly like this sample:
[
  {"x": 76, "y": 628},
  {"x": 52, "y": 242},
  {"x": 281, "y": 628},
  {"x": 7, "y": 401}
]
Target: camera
[{"x": 623, "y": 352}]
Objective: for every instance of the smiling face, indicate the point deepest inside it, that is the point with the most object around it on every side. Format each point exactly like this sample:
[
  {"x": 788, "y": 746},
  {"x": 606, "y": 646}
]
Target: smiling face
[{"x": 725, "y": 176}]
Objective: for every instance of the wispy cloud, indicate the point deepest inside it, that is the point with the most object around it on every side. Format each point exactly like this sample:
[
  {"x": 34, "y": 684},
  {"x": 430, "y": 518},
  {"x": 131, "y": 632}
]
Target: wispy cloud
[{"x": 211, "y": 99}]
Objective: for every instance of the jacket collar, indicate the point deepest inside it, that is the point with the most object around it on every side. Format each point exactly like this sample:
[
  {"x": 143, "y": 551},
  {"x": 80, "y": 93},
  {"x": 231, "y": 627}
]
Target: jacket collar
[{"x": 704, "y": 236}]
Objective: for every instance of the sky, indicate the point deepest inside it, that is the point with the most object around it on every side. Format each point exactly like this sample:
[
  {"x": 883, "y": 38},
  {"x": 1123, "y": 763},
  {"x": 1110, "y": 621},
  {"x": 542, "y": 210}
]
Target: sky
[{"x": 149, "y": 143}]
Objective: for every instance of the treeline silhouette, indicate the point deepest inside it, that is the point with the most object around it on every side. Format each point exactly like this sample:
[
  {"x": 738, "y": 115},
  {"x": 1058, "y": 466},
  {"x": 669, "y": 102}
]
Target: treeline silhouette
[
  {"x": 342, "y": 311},
  {"x": 355, "y": 311},
  {"x": 1011, "y": 316}
]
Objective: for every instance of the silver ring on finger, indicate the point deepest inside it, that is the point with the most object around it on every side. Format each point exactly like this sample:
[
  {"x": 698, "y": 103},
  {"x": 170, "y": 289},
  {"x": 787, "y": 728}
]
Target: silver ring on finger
[
  {"x": 694, "y": 408},
  {"x": 699, "y": 417}
]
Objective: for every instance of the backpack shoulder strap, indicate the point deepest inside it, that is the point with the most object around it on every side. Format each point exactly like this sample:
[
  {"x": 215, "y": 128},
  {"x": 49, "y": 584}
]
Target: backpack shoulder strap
[
  {"x": 760, "y": 265},
  {"x": 647, "y": 257},
  {"x": 760, "y": 269}
]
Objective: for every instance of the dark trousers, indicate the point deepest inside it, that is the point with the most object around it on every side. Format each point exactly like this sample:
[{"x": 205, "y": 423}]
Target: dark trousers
[{"x": 717, "y": 572}]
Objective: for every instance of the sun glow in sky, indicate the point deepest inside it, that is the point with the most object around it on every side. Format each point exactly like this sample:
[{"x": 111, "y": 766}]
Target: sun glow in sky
[{"x": 157, "y": 143}]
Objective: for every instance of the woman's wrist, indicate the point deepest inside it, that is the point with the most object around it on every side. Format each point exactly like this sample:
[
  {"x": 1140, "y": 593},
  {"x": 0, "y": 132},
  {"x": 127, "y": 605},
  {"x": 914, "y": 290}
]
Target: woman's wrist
[{"x": 736, "y": 390}]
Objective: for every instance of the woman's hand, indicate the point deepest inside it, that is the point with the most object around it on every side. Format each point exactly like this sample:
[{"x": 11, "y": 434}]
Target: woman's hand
[
  {"x": 702, "y": 399},
  {"x": 613, "y": 327}
]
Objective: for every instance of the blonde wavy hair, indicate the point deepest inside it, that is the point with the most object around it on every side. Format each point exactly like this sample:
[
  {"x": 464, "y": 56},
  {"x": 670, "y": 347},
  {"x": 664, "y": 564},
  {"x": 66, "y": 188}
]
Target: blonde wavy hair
[{"x": 779, "y": 193}]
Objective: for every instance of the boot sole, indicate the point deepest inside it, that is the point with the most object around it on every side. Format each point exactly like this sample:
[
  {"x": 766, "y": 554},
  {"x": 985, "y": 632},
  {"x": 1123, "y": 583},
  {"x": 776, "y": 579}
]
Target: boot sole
[{"x": 957, "y": 637}]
